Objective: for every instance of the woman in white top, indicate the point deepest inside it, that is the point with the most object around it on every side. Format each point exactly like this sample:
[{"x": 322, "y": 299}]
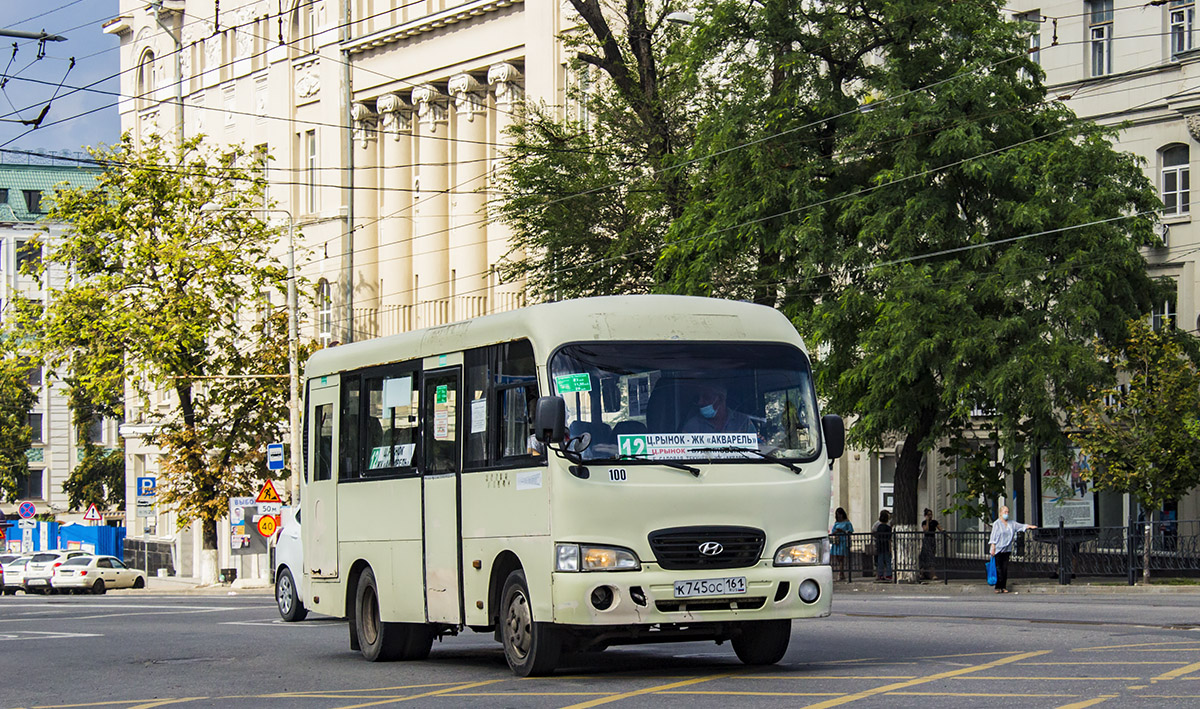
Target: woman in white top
[{"x": 1003, "y": 534}]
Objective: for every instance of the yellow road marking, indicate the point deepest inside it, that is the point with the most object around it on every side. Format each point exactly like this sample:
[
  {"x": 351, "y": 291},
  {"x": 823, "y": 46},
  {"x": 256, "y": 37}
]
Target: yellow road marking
[
  {"x": 319, "y": 692},
  {"x": 527, "y": 694},
  {"x": 975, "y": 694},
  {"x": 164, "y": 702},
  {"x": 922, "y": 680},
  {"x": 648, "y": 690},
  {"x": 1178, "y": 672},
  {"x": 1119, "y": 647},
  {"x": 133, "y": 702},
  {"x": 1053, "y": 679},
  {"x": 1124, "y": 662},
  {"x": 434, "y": 693},
  {"x": 1137, "y": 686},
  {"x": 1088, "y": 702},
  {"x": 805, "y": 678}
]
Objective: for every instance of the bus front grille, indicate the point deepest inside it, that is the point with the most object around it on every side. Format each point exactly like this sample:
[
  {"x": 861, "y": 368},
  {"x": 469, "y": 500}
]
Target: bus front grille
[
  {"x": 694, "y": 548},
  {"x": 711, "y": 604}
]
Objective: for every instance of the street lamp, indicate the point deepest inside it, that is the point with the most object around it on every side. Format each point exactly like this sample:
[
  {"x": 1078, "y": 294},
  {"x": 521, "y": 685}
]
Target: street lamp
[{"x": 293, "y": 345}]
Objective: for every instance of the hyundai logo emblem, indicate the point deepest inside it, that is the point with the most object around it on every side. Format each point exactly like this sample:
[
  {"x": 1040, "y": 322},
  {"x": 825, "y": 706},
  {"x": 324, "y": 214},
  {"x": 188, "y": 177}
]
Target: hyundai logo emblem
[{"x": 711, "y": 548}]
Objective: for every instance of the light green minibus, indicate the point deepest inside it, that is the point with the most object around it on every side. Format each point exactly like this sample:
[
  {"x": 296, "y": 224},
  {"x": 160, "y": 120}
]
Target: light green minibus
[{"x": 570, "y": 476}]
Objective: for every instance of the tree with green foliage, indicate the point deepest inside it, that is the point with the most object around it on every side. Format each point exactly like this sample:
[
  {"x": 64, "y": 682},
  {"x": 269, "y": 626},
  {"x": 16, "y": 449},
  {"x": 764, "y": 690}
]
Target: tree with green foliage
[
  {"x": 17, "y": 399},
  {"x": 1142, "y": 436},
  {"x": 99, "y": 476},
  {"x": 894, "y": 178},
  {"x": 172, "y": 271}
]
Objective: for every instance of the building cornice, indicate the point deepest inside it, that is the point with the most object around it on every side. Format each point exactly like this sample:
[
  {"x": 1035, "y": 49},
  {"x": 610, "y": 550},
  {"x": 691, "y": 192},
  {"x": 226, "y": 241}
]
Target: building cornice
[{"x": 429, "y": 23}]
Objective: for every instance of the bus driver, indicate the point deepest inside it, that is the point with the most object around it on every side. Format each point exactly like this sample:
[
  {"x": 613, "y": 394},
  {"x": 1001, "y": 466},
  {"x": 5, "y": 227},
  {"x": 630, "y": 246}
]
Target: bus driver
[{"x": 714, "y": 416}]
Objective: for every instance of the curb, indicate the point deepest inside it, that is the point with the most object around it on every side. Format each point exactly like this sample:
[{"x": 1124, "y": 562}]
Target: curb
[{"x": 979, "y": 587}]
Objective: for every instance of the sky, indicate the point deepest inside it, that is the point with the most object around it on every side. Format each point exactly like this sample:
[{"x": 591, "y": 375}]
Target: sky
[{"x": 29, "y": 83}]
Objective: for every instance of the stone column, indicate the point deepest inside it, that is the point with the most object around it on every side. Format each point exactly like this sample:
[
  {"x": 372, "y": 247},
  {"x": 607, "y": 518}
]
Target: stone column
[
  {"x": 431, "y": 270},
  {"x": 396, "y": 224},
  {"x": 468, "y": 235},
  {"x": 366, "y": 216},
  {"x": 507, "y": 84}
]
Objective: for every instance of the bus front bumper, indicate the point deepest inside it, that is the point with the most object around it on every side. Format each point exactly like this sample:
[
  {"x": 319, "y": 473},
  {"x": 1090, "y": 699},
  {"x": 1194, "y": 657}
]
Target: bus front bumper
[{"x": 652, "y": 595}]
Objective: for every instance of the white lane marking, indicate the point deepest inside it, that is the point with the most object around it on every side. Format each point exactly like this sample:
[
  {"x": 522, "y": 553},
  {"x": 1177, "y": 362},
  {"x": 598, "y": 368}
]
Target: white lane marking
[
  {"x": 316, "y": 623},
  {"x": 43, "y": 635},
  {"x": 174, "y": 611}
]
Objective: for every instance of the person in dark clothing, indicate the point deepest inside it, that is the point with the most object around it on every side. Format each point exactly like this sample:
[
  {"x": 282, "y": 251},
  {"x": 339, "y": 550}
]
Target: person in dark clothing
[
  {"x": 929, "y": 526},
  {"x": 883, "y": 547}
]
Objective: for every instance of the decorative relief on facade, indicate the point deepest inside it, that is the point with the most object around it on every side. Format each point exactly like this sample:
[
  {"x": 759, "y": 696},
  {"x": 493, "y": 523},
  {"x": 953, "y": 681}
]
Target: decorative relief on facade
[
  {"x": 308, "y": 84},
  {"x": 432, "y": 106},
  {"x": 395, "y": 115},
  {"x": 468, "y": 95},
  {"x": 362, "y": 130},
  {"x": 506, "y": 81},
  {"x": 212, "y": 53},
  {"x": 245, "y": 32},
  {"x": 1193, "y": 125},
  {"x": 149, "y": 123},
  {"x": 429, "y": 23}
]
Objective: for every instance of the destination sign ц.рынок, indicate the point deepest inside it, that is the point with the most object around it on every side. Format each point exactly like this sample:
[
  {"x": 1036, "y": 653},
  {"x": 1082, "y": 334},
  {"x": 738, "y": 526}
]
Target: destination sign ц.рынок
[{"x": 686, "y": 445}]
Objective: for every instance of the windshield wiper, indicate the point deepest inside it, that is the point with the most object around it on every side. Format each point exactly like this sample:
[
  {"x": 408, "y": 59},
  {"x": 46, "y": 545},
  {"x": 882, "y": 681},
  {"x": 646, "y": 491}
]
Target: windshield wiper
[
  {"x": 765, "y": 456},
  {"x": 643, "y": 456}
]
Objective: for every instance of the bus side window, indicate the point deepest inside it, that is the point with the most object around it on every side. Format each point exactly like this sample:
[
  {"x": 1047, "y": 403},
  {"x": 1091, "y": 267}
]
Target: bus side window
[
  {"x": 516, "y": 391},
  {"x": 324, "y": 429},
  {"x": 349, "y": 438},
  {"x": 390, "y": 434},
  {"x": 478, "y": 363}
]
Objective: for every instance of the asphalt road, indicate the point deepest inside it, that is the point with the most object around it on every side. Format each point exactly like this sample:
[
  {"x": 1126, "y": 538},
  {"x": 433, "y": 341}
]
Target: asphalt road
[{"x": 127, "y": 650}]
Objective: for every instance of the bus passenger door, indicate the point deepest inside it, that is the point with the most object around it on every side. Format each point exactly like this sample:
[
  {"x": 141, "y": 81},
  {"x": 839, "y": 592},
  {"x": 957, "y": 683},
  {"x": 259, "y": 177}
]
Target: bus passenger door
[
  {"x": 319, "y": 501},
  {"x": 440, "y": 495}
]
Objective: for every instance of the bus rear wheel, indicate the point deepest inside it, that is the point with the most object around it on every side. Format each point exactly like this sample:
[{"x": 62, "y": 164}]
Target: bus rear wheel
[
  {"x": 531, "y": 649},
  {"x": 762, "y": 642}
]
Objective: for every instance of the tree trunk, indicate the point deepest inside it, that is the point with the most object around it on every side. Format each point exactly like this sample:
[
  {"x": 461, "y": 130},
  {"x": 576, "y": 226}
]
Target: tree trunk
[{"x": 904, "y": 510}]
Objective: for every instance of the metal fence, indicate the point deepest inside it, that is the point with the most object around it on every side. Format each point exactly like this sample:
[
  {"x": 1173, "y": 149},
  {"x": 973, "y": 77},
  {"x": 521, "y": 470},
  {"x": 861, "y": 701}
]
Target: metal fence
[{"x": 1055, "y": 553}]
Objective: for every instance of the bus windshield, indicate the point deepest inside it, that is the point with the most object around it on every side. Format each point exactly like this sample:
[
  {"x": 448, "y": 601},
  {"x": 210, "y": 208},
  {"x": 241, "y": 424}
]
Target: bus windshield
[{"x": 698, "y": 401}]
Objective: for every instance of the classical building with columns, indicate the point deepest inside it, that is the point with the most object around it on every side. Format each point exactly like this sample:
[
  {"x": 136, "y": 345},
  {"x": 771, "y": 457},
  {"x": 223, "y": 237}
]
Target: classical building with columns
[{"x": 385, "y": 123}]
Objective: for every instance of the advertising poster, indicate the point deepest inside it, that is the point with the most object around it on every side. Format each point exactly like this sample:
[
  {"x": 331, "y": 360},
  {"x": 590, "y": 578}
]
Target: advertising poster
[{"x": 1067, "y": 493}]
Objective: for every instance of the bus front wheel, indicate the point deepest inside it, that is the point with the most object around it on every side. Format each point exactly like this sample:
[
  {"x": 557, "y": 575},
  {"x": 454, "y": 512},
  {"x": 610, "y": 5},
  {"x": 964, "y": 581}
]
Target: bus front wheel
[
  {"x": 378, "y": 641},
  {"x": 762, "y": 642},
  {"x": 530, "y": 648}
]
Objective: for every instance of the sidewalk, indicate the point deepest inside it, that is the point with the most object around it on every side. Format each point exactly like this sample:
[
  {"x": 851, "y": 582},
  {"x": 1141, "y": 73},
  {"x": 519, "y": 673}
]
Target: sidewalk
[
  {"x": 184, "y": 585},
  {"x": 1030, "y": 586}
]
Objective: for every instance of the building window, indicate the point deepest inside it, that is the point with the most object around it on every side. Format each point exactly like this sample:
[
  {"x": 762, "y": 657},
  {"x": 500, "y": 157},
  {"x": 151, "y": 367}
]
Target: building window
[
  {"x": 30, "y": 488},
  {"x": 1163, "y": 316},
  {"x": 145, "y": 80},
  {"x": 1032, "y": 24},
  {"x": 1176, "y": 180},
  {"x": 29, "y": 255},
  {"x": 310, "y": 171},
  {"x": 1183, "y": 14},
  {"x": 94, "y": 431},
  {"x": 3, "y": 195},
  {"x": 324, "y": 312},
  {"x": 35, "y": 377},
  {"x": 35, "y": 423},
  {"x": 33, "y": 201},
  {"x": 1100, "y": 32}
]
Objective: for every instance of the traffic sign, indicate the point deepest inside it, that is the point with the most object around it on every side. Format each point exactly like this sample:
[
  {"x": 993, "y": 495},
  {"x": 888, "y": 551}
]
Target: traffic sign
[
  {"x": 27, "y": 524},
  {"x": 26, "y": 510},
  {"x": 92, "y": 514},
  {"x": 266, "y": 525},
  {"x": 267, "y": 494},
  {"x": 274, "y": 457},
  {"x": 147, "y": 487}
]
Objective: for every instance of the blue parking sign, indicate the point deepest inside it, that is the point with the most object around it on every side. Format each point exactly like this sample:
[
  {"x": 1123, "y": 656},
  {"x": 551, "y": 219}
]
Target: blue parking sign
[
  {"x": 146, "y": 487},
  {"x": 275, "y": 456}
]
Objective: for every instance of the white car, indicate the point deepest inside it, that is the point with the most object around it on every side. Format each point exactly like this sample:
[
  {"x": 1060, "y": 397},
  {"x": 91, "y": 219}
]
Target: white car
[
  {"x": 12, "y": 574},
  {"x": 96, "y": 574},
  {"x": 41, "y": 567},
  {"x": 289, "y": 560}
]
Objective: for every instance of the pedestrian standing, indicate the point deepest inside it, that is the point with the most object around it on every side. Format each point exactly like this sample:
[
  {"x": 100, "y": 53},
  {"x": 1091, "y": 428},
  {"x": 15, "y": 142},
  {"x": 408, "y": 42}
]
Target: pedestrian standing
[
  {"x": 883, "y": 546},
  {"x": 840, "y": 549},
  {"x": 929, "y": 526},
  {"x": 1003, "y": 534}
]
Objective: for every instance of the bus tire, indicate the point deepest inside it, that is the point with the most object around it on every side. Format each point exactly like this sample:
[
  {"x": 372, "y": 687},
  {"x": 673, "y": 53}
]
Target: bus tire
[
  {"x": 379, "y": 641},
  {"x": 531, "y": 649},
  {"x": 419, "y": 641},
  {"x": 762, "y": 642}
]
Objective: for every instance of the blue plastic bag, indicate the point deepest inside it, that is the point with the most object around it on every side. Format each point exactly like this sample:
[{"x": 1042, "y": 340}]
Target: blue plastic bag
[{"x": 991, "y": 571}]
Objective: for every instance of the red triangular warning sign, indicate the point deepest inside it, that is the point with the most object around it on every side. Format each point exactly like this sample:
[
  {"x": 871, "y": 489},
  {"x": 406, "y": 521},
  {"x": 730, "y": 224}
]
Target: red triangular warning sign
[
  {"x": 267, "y": 494},
  {"x": 92, "y": 514}
]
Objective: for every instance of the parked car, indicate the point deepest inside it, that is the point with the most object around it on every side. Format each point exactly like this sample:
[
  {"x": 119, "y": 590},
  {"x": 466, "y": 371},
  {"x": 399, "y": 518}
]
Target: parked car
[
  {"x": 96, "y": 574},
  {"x": 289, "y": 560},
  {"x": 12, "y": 574},
  {"x": 41, "y": 567}
]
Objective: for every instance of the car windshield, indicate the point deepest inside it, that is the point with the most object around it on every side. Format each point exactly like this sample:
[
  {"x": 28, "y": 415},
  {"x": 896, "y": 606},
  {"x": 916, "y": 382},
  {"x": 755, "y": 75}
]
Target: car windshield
[
  {"x": 78, "y": 561},
  {"x": 688, "y": 400},
  {"x": 39, "y": 558}
]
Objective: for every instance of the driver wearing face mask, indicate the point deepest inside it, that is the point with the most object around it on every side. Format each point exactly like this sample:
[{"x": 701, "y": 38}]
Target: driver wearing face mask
[{"x": 713, "y": 416}]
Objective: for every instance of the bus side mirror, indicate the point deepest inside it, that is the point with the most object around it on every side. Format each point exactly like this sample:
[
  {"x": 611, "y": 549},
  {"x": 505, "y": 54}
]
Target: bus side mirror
[
  {"x": 550, "y": 419},
  {"x": 835, "y": 435}
]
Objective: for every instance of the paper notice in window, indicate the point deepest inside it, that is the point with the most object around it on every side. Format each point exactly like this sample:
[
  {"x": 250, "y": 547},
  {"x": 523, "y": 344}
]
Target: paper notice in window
[
  {"x": 479, "y": 416},
  {"x": 397, "y": 393},
  {"x": 441, "y": 425}
]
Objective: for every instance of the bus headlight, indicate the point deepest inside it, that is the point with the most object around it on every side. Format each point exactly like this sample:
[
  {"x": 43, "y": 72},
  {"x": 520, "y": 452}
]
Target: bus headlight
[
  {"x": 586, "y": 557},
  {"x": 803, "y": 553}
]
